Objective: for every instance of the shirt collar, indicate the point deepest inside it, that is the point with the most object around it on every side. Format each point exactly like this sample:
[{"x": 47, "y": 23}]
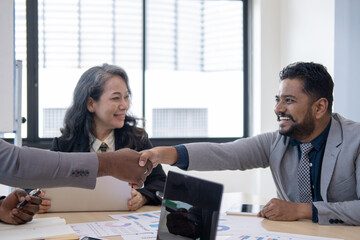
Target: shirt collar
[
  {"x": 318, "y": 142},
  {"x": 95, "y": 143}
]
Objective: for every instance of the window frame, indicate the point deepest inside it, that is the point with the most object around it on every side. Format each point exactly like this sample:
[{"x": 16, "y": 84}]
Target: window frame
[{"x": 33, "y": 139}]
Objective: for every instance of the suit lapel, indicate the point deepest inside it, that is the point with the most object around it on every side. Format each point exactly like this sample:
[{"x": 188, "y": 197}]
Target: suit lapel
[
  {"x": 276, "y": 158},
  {"x": 82, "y": 145},
  {"x": 117, "y": 138},
  {"x": 332, "y": 150}
]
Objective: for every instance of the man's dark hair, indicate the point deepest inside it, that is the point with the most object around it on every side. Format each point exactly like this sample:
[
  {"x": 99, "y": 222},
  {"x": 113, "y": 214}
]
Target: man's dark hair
[{"x": 317, "y": 81}]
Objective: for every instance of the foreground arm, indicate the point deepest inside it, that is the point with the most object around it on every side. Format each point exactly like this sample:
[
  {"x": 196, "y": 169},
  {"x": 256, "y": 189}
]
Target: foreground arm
[
  {"x": 280, "y": 210},
  {"x": 9, "y": 213},
  {"x": 32, "y": 168},
  {"x": 27, "y": 167}
]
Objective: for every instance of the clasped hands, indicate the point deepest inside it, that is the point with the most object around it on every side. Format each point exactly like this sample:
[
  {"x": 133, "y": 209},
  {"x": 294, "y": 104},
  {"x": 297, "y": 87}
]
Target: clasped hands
[{"x": 132, "y": 166}]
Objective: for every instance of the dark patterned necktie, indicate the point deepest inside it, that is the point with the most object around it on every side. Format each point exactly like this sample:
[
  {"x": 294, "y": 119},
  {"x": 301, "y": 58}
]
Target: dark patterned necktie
[
  {"x": 103, "y": 147},
  {"x": 304, "y": 174}
]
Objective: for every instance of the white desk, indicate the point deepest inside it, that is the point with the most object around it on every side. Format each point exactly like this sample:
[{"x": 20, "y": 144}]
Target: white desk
[{"x": 305, "y": 227}]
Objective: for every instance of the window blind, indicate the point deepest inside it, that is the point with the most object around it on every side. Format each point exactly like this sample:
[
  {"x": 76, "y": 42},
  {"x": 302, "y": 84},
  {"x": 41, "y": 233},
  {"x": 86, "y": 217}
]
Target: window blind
[{"x": 180, "y": 35}]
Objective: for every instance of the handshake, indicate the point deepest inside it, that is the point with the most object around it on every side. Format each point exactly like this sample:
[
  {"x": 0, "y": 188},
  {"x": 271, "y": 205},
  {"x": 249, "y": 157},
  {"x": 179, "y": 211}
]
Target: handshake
[
  {"x": 124, "y": 164},
  {"x": 133, "y": 167}
]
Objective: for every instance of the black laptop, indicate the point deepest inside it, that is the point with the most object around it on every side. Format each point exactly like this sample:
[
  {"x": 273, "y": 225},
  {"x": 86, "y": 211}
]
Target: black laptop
[{"x": 190, "y": 208}]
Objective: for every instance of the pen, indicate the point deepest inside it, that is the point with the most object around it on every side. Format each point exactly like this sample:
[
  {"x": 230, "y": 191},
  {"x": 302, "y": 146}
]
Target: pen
[{"x": 23, "y": 203}]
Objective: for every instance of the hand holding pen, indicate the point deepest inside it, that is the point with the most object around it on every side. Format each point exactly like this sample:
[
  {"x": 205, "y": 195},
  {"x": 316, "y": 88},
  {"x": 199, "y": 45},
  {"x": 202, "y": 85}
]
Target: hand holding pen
[
  {"x": 32, "y": 193},
  {"x": 28, "y": 207}
]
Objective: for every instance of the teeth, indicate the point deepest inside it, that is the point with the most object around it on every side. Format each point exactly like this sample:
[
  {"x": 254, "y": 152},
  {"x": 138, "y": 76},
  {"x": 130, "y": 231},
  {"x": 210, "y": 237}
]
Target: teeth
[{"x": 284, "y": 118}]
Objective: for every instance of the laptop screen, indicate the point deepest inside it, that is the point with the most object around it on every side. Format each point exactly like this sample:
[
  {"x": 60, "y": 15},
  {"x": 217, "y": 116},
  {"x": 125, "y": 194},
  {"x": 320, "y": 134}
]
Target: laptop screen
[
  {"x": 190, "y": 208},
  {"x": 110, "y": 194}
]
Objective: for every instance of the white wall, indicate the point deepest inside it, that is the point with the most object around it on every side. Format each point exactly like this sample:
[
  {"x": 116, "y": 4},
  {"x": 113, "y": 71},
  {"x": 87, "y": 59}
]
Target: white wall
[
  {"x": 7, "y": 74},
  {"x": 307, "y": 32},
  {"x": 265, "y": 38},
  {"x": 347, "y": 61},
  {"x": 287, "y": 31},
  {"x": 283, "y": 32},
  {"x": 7, "y": 63}
]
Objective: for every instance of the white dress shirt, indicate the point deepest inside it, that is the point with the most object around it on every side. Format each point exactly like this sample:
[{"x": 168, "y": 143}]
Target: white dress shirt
[{"x": 96, "y": 143}]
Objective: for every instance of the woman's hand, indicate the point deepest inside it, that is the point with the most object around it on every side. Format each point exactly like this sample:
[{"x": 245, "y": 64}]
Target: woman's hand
[
  {"x": 45, "y": 204},
  {"x": 137, "y": 200}
]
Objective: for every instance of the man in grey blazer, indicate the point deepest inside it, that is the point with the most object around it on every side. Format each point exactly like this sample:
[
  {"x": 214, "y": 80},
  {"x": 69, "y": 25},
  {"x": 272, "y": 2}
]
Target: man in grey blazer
[
  {"x": 332, "y": 167},
  {"x": 31, "y": 168}
]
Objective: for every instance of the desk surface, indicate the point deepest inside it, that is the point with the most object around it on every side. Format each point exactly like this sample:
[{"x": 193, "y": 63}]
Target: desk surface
[{"x": 305, "y": 227}]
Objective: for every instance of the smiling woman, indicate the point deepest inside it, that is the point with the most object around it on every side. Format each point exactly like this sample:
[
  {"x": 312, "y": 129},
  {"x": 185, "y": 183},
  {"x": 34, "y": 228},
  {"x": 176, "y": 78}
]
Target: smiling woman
[
  {"x": 110, "y": 109},
  {"x": 98, "y": 121}
]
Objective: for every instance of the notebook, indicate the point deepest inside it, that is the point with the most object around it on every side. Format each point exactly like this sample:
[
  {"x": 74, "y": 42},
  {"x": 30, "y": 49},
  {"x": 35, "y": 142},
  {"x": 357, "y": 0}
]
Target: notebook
[
  {"x": 110, "y": 194},
  {"x": 190, "y": 208}
]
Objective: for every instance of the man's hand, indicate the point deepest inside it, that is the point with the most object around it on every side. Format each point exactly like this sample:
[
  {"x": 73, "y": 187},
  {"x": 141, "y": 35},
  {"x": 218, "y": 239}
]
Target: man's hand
[
  {"x": 123, "y": 164},
  {"x": 9, "y": 212},
  {"x": 158, "y": 155},
  {"x": 280, "y": 210}
]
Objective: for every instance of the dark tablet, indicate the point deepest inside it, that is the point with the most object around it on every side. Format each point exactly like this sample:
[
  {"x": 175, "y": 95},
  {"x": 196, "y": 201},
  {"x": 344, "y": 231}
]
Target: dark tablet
[{"x": 190, "y": 208}]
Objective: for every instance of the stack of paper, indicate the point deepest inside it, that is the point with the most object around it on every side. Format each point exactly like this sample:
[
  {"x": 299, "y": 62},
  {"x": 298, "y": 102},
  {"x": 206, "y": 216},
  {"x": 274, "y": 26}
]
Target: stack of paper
[{"x": 39, "y": 228}]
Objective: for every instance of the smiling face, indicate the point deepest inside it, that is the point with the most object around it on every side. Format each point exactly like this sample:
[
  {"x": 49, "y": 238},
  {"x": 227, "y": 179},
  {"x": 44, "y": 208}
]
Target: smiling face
[
  {"x": 294, "y": 109},
  {"x": 110, "y": 110}
]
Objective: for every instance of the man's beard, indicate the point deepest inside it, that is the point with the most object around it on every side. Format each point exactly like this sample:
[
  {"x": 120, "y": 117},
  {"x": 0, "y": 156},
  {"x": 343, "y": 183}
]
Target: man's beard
[{"x": 302, "y": 130}]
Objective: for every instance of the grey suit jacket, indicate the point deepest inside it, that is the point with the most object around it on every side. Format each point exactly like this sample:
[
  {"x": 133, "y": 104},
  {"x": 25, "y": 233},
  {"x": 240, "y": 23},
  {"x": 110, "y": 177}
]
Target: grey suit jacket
[
  {"x": 31, "y": 168},
  {"x": 340, "y": 173}
]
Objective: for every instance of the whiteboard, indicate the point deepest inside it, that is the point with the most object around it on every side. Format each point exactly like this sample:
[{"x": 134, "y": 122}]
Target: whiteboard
[{"x": 7, "y": 66}]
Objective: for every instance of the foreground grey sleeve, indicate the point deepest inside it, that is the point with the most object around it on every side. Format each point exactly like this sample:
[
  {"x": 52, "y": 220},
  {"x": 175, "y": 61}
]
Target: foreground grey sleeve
[{"x": 31, "y": 167}]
